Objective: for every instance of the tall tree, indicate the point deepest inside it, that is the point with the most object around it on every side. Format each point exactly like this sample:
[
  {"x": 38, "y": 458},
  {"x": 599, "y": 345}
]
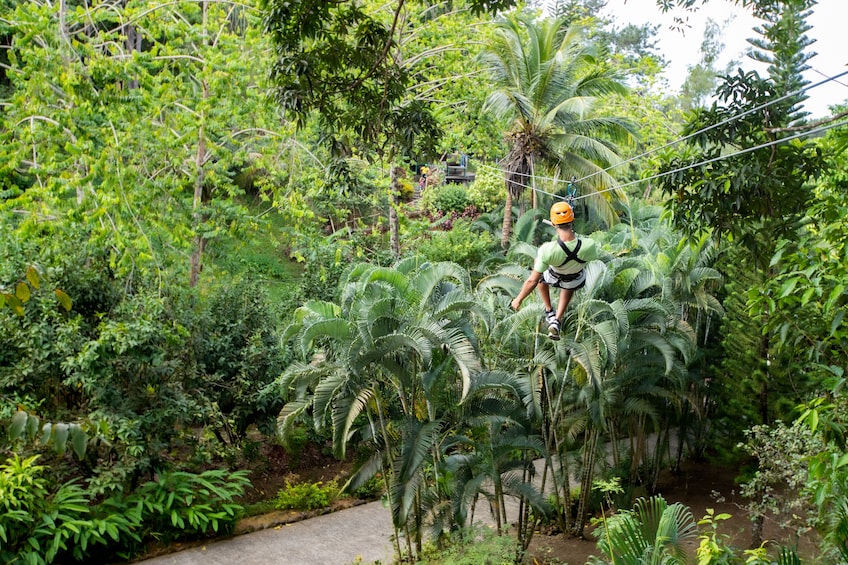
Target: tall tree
[
  {"x": 396, "y": 356},
  {"x": 127, "y": 132},
  {"x": 353, "y": 67},
  {"x": 743, "y": 182},
  {"x": 545, "y": 86}
]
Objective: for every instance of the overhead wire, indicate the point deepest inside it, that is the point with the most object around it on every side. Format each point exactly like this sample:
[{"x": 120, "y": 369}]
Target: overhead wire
[
  {"x": 679, "y": 169},
  {"x": 671, "y": 143}
]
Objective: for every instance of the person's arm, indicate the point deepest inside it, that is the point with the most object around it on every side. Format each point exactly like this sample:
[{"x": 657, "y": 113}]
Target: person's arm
[{"x": 526, "y": 289}]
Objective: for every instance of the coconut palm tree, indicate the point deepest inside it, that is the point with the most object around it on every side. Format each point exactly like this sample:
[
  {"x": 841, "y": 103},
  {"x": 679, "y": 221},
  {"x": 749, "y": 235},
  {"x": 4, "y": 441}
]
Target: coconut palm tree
[{"x": 546, "y": 84}]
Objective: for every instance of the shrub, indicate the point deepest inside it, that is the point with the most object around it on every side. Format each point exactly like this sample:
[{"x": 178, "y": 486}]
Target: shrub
[
  {"x": 445, "y": 198},
  {"x": 39, "y": 526},
  {"x": 451, "y": 198},
  {"x": 487, "y": 190},
  {"x": 179, "y": 504},
  {"x": 460, "y": 245},
  {"x": 307, "y": 496}
]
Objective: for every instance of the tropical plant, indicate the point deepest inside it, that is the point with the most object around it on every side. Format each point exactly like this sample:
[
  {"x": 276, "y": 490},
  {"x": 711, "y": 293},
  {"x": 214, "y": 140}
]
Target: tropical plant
[
  {"x": 394, "y": 357},
  {"x": 653, "y": 532},
  {"x": 545, "y": 83}
]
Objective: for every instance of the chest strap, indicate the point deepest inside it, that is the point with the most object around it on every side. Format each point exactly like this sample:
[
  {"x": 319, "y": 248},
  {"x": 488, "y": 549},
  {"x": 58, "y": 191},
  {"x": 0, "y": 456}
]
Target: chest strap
[{"x": 570, "y": 255}]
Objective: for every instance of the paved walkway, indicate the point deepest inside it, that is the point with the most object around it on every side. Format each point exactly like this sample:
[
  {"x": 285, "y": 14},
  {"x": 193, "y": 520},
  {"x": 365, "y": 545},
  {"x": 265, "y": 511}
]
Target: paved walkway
[{"x": 361, "y": 533}]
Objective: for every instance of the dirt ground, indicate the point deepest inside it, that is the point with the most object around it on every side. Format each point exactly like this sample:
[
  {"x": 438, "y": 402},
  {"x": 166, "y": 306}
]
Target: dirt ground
[{"x": 698, "y": 486}]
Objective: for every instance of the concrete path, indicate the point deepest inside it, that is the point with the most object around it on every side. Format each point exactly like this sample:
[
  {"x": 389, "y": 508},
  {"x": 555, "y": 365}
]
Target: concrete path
[{"x": 361, "y": 533}]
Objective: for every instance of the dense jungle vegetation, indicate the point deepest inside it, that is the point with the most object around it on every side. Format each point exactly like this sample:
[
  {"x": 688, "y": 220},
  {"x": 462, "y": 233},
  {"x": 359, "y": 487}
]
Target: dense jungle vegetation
[{"x": 212, "y": 231}]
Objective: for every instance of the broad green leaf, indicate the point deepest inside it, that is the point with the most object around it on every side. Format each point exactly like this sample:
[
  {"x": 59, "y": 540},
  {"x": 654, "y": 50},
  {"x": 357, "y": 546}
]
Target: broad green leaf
[
  {"x": 79, "y": 442},
  {"x": 60, "y": 437},
  {"x": 19, "y": 421},
  {"x": 32, "y": 426},
  {"x": 837, "y": 321},
  {"x": 788, "y": 286}
]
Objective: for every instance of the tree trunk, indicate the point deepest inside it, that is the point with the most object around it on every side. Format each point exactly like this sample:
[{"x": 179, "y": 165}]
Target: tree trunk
[
  {"x": 589, "y": 457},
  {"x": 506, "y": 229},
  {"x": 394, "y": 223},
  {"x": 197, "y": 202},
  {"x": 199, "y": 179}
]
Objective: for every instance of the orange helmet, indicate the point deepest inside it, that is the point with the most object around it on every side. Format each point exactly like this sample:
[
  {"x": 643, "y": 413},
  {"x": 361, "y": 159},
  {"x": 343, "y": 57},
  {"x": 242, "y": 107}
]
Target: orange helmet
[{"x": 561, "y": 213}]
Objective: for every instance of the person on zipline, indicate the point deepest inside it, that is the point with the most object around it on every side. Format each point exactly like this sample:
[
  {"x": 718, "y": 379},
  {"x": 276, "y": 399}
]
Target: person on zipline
[{"x": 559, "y": 263}]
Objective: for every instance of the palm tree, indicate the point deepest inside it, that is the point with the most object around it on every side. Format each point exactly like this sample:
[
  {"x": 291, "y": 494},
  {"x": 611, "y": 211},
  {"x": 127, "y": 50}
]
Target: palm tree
[
  {"x": 652, "y": 533},
  {"x": 388, "y": 363},
  {"x": 547, "y": 86}
]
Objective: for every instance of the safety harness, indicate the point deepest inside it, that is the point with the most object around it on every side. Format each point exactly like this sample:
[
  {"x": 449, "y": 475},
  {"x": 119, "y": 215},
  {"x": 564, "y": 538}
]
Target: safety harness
[{"x": 570, "y": 255}]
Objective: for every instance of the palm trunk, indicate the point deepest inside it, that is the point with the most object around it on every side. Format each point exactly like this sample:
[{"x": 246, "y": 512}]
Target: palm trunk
[
  {"x": 506, "y": 228},
  {"x": 589, "y": 458}
]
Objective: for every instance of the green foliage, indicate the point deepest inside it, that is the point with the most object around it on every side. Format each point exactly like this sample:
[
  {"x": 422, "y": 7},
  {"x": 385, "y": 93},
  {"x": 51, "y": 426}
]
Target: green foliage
[
  {"x": 651, "y": 528},
  {"x": 451, "y": 198},
  {"x": 178, "y": 504},
  {"x": 27, "y": 427},
  {"x": 461, "y": 244},
  {"x": 307, "y": 496},
  {"x": 476, "y": 546},
  {"x": 444, "y": 198},
  {"x": 39, "y": 525},
  {"x": 714, "y": 548},
  {"x": 238, "y": 353},
  {"x": 486, "y": 193}
]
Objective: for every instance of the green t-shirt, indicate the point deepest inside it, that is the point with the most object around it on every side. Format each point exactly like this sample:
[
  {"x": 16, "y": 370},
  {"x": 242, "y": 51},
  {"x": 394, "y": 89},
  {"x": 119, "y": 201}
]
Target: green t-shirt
[{"x": 551, "y": 255}]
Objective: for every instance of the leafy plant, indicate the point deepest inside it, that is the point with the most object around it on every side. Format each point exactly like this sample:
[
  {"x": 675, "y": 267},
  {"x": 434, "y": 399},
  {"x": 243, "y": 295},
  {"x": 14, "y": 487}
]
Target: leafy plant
[
  {"x": 486, "y": 193},
  {"x": 39, "y": 526},
  {"x": 461, "y": 245},
  {"x": 714, "y": 548},
  {"x": 178, "y": 503},
  {"x": 307, "y": 496},
  {"x": 652, "y": 528}
]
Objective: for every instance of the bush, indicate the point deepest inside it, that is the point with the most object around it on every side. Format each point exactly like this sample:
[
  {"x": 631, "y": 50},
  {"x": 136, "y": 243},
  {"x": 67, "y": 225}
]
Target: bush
[
  {"x": 487, "y": 192},
  {"x": 451, "y": 198},
  {"x": 461, "y": 245},
  {"x": 39, "y": 526},
  {"x": 445, "y": 198},
  {"x": 179, "y": 504},
  {"x": 307, "y": 496}
]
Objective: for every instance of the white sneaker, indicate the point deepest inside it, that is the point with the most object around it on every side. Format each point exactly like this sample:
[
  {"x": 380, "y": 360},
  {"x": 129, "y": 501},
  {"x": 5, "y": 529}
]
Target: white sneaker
[{"x": 553, "y": 330}]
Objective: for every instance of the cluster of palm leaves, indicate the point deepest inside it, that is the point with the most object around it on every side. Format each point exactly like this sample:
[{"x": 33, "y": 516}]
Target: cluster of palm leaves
[{"x": 463, "y": 404}]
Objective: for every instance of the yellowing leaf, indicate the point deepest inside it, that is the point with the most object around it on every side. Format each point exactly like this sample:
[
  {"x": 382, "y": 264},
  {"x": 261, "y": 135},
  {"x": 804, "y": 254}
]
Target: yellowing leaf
[
  {"x": 32, "y": 277},
  {"x": 64, "y": 299},
  {"x": 22, "y": 291}
]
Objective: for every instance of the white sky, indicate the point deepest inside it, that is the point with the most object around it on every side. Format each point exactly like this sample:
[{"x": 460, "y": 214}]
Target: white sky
[{"x": 681, "y": 49}]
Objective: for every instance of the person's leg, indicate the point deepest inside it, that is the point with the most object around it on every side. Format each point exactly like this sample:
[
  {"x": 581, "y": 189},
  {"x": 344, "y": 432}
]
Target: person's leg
[
  {"x": 545, "y": 293},
  {"x": 564, "y": 299}
]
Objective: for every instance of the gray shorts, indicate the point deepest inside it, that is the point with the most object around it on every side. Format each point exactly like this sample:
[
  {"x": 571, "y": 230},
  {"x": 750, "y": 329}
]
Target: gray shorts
[{"x": 568, "y": 282}]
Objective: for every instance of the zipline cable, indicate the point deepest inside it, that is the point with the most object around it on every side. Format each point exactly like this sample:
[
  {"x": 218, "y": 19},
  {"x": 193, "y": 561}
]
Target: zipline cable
[
  {"x": 682, "y": 139},
  {"x": 680, "y": 169}
]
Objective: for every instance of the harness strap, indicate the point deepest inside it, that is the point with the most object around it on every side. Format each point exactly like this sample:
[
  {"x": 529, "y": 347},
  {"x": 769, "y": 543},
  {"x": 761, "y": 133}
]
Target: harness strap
[{"x": 570, "y": 255}]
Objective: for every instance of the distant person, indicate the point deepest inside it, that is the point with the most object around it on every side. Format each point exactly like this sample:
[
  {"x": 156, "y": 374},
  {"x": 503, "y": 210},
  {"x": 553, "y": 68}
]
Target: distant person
[{"x": 559, "y": 263}]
